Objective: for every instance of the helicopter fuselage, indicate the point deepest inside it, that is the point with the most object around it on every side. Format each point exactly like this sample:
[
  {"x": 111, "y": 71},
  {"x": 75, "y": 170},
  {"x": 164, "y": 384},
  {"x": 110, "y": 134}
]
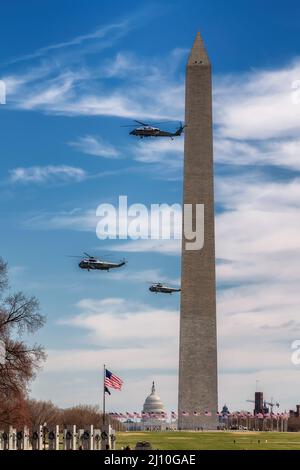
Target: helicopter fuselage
[
  {"x": 159, "y": 288},
  {"x": 153, "y": 132},
  {"x": 91, "y": 264}
]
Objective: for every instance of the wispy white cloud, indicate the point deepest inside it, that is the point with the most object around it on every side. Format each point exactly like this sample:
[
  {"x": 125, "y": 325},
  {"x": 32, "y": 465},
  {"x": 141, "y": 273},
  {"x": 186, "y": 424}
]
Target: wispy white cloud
[
  {"x": 272, "y": 152},
  {"x": 166, "y": 247},
  {"x": 92, "y": 145},
  {"x": 46, "y": 174},
  {"x": 82, "y": 89},
  {"x": 167, "y": 152},
  {"x": 76, "y": 219},
  {"x": 161, "y": 222},
  {"x": 114, "y": 31},
  {"x": 259, "y": 104},
  {"x": 144, "y": 276},
  {"x": 121, "y": 323}
]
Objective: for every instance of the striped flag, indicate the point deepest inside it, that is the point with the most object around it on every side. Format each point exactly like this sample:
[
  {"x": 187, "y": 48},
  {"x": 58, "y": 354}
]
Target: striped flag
[{"x": 112, "y": 381}]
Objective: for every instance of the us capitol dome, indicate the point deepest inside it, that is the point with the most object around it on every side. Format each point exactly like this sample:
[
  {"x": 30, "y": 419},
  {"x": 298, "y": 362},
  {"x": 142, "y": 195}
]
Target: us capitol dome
[
  {"x": 153, "y": 403},
  {"x": 153, "y": 417}
]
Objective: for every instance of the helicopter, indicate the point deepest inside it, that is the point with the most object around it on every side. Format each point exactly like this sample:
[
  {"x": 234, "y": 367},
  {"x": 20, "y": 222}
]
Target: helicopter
[
  {"x": 149, "y": 131},
  {"x": 158, "y": 287},
  {"x": 92, "y": 263}
]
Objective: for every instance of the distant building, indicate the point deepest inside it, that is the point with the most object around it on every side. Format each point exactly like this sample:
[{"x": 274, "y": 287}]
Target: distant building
[
  {"x": 259, "y": 402},
  {"x": 294, "y": 420}
]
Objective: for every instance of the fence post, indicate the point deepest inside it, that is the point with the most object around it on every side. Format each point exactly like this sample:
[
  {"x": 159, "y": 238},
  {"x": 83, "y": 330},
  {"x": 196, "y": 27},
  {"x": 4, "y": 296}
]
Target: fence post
[
  {"x": 11, "y": 439},
  {"x": 112, "y": 439},
  {"x": 80, "y": 439},
  {"x": 91, "y": 438},
  {"x": 25, "y": 438},
  {"x": 1, "y": 440},
  {"x": 74, "y": 438},
  {"x": 41, "y": 437}
]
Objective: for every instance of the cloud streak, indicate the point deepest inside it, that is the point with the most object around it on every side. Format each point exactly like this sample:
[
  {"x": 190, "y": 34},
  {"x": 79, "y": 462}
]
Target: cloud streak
[
  {"x": 47, "y": 174},
  {"x": 96, "y": 146}
]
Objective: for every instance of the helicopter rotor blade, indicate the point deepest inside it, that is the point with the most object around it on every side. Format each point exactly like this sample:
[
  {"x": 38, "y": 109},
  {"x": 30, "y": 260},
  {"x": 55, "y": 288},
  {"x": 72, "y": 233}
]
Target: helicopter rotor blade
[
  {"x": 86, "y": 254},
  {"x": 162, "y": 122},
  {"x": 140, "y": 122},
  {"x": 108, "y": 256}
]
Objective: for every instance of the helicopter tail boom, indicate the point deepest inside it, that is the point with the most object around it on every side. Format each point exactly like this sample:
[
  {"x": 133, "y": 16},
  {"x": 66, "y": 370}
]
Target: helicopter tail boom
[{"x": 179, "y": 130}]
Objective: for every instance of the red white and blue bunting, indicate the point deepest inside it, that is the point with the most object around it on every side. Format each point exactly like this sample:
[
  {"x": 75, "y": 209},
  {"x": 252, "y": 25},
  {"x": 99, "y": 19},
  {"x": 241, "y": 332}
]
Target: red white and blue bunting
[{"x": 173, "y": 415}]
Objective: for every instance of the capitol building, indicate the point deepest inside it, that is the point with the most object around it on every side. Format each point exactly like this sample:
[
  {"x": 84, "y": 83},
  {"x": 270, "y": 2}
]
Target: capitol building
[{"x": 153, "y": 405}]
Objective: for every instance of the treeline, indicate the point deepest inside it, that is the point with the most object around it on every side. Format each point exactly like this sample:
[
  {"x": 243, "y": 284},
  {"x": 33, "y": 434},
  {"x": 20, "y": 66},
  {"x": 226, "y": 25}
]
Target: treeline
[{"x": 46, "y": 413}]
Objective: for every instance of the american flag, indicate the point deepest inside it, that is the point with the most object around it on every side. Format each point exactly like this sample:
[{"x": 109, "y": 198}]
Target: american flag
[{"x": 112, "y": 381}]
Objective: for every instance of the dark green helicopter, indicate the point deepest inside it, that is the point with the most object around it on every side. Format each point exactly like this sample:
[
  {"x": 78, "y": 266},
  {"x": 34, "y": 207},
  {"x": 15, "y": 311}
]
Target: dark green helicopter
[{"x": 146, "y": 130}]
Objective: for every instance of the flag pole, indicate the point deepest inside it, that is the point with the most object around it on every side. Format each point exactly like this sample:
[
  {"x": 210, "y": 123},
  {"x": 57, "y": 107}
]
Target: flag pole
[{"x": 103, "y": 394}]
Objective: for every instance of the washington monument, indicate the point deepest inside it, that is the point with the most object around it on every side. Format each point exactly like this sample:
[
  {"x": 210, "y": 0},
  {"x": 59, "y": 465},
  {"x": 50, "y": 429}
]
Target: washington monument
[{"x": 198, "y": 344}]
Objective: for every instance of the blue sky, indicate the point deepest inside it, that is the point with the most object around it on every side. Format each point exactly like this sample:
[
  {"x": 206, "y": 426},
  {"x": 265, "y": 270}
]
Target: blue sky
[{"x": 76, "y": 72}]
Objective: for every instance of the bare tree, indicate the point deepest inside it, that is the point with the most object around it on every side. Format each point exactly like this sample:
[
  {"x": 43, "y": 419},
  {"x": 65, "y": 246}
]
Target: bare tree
[
  {"x": 41, "y": 412},
  {"x": 84, "y": 415},
  {"x": 81, "y": 415},
  {"x": 19, "y": 315}
]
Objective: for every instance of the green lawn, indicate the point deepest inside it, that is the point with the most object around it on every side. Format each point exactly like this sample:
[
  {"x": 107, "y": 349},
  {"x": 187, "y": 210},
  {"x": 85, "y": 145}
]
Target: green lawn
[{"x": 222, "y": 440}]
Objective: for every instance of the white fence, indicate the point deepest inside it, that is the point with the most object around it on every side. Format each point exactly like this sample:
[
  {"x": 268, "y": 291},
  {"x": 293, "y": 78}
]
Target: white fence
[{"x": 52, "y": 438}]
